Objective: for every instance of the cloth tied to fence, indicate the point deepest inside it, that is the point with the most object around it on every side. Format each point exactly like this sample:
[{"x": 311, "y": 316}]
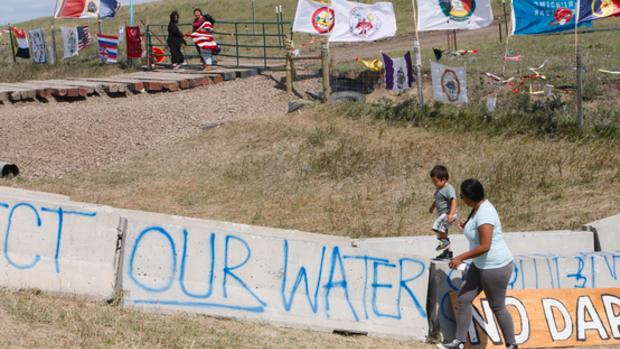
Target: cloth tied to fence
[{"x": 203, "y": 37}]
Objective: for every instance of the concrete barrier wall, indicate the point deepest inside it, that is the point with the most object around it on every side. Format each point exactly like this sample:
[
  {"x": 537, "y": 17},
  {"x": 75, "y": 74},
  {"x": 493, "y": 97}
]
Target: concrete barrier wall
[
  {"x": 280, "y": 276},
  {"x": 583, "y": 270},
  {"x": 607, "y": 232},
  {"x": 562, "y": 242},
  {"x": 57, "y": 246}
]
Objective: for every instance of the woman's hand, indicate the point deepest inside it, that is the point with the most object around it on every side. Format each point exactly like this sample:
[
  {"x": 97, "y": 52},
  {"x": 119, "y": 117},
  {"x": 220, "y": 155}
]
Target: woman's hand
[
  {"x": 462, "y": 224},
  {"x": 455, "y": 262}
]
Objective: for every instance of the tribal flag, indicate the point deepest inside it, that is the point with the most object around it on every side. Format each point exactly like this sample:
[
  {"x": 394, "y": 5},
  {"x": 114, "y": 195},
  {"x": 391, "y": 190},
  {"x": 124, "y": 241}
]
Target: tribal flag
[
  {"x": 38, "y": 47},
  {"x": 590, "y": 10},
  {"x": 362, "y": 22},
  {"x": 70, "y": 39},
  {"x": 108, "y": 8},
  {"x": 203, "y": 37},
  {"x": 454, "y": 14},
  {"x": 314, "y": 17},
  {"x": 77, "y": 9},
  {"x": 84, "y": 38},
  {"x": 23, "y": 48},
  {"x": 108, "y": 48},
  {"x": 398, "y": 72},
  {"x": 539, "y": 17},
  {"x": 449, "y": 84}
]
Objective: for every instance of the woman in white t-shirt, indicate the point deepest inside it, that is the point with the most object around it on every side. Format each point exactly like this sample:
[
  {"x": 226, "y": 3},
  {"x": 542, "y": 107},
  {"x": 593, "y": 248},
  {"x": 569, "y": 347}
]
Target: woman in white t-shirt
[{"x": 491, "y": 267}]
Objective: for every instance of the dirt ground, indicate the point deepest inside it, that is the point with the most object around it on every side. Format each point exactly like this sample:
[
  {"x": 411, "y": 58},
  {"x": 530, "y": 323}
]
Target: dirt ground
[{"x": 58, "y": 138}]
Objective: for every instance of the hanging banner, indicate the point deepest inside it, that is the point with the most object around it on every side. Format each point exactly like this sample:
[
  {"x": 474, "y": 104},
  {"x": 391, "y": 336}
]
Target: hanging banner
[
  {"x": 357, "y": 22},
  {"x": 590, "y": 10},
  {"x": 108, "y": 48},
  {"x": 134, "y": 42},
  {"x": 449, "y": 84},
  {"x": 314, "y": 17},
  {"x": 70, "y": 39},
  {"x": 539, "y": 17},
  {"x": 454, "y": 14},
  {"x": 23, "y": 48},
  {"x": 567, "y": 317},
  {"x": 84, "y": 38},
  {"x": 77, "y": 9},
  {"x": 108, "y": 8},
  {"x": 398, "y": 72},
  {"x": 37, "y": 46}
]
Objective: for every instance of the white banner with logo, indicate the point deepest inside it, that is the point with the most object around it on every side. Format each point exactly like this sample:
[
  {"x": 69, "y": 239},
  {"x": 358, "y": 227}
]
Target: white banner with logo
[
  {"x": 345, "y": 21},
  {"x": 449, "y": 84},
  {"x": 70, "y": 39},
  {"x": 454, "y": 14}
]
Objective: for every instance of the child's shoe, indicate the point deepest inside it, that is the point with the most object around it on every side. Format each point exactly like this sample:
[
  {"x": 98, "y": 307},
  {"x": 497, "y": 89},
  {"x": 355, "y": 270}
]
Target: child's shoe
[
  {"x": 443, "y": 244},
  {"x": 445, "y": 255}
]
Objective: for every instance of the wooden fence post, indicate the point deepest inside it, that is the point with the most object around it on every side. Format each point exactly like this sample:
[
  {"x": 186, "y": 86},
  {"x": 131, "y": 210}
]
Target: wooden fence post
[
  {"x": 11, "y": 43},
  {"x": 289, "y": 73},
  {"x": 325, "y": 67}
]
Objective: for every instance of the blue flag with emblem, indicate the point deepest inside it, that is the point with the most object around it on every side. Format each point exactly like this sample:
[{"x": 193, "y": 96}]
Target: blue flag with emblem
[{"x": 544, "y": 16}]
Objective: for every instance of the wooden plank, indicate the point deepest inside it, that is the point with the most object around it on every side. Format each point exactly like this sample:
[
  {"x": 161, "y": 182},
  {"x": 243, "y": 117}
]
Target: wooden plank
[
  {"x": 170, "y": 84},
  {"x": 226, "y": 74},
  {"x": 183, "y": 83},
  {"x": 133, "y": 85},
  {"x": 96, "y": 86},
  {"x": 63, "y": 90},
  {"x": 553, "y": 317},
  {"x": 21, "y": 91},
  {"x": 216, "y": 78},
  {"x": 108, "y": 87},
  {"x": 194, "y": 80}
]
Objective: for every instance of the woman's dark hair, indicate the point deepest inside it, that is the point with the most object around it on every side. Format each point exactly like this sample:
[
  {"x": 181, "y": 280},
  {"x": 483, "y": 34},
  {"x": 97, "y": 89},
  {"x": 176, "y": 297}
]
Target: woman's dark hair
[
  {"x": 472, "y": 189},
  {"x": 174, "y": 17},
  {"x": 197, "y": 9}
]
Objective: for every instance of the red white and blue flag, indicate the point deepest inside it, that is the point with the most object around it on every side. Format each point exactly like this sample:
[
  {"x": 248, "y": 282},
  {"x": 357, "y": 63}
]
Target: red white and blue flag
[
  {"x": 108, "y": 8},
  {"x": 77, "y": 9},
  {"x": 23, "y": 48},
  {"x": 108, "y": 48},
  {"x": 84, "y": 37},
  {"x": 203, "y": 37}
]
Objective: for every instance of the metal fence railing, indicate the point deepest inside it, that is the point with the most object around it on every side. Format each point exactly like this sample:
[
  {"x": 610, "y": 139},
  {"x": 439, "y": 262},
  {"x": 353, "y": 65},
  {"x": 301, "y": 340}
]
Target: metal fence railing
[{"x": 248, "y": 43}]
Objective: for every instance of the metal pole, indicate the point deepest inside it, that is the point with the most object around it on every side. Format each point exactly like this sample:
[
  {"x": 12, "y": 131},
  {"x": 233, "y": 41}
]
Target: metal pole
[
  {"x": 99, "y": 26},
  {"x": 264, "y": 46},
  {"x": 456, "y": 46},
  {"x": 500, "y": 31},
  {"x": 131, "y": 13},
  {"x": 254, "y": 17},
  {"x": 237, "y": 43},
  {"x": 325, "y": 68},
  {"x": 449, "y": 41},
  {"x": 149, "y": 48},
  {"x": 289, "y": 73},
  {"x": 11, "y": 43},
  {"x": 278, "y": 27},
  {"x": 418, "y": 70}
]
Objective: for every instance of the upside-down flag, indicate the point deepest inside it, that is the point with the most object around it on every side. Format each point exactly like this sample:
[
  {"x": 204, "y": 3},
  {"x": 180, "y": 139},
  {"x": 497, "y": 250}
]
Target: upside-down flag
[
  {"x": 84, "y": 37},
  {"x": 108, "y": 8},
  {"x": 77, "y": 9},
  {"x": 23, "y": 48},
  {"x": 590, "y": 10},
  {"x": 108, "y": 48},
  {"x": 398, "y": 72}
]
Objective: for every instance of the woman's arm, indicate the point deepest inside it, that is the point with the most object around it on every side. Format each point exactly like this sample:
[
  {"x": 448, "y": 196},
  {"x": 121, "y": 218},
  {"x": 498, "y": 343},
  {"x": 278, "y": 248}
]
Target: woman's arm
[{"x": 485, "y": 234}]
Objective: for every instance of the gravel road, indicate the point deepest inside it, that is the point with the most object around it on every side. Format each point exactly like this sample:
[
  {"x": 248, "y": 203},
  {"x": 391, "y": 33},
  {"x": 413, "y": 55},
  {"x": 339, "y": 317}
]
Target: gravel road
[{"x": 58, "y": 138}]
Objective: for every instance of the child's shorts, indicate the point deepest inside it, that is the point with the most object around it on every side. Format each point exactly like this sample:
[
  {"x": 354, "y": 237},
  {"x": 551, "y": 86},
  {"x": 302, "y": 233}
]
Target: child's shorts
[
  {"x": 207, "y": 57},
  {"x": 441, "y": 223}
]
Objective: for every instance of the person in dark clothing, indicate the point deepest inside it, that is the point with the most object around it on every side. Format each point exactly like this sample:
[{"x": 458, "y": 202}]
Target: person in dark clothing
[{"x": 175, "y": 40}]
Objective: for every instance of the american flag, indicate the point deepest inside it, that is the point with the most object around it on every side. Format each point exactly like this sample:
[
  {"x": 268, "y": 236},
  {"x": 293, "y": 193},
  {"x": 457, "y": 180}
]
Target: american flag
[
  {"x": 203, "y": 37},
  {"x": 84, "y": 38}
]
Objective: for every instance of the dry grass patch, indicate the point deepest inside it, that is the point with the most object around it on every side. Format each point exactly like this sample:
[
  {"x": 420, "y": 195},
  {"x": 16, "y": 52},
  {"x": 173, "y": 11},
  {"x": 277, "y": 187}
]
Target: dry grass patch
[
  {"x": 323, "y": 173},
  {"x": 33, "y": 320}
]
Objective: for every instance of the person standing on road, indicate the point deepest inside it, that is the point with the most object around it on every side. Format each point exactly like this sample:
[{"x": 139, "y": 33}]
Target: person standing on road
[
  {"x": 175, "y": 41},
  {"x": 491, "y": 268}
]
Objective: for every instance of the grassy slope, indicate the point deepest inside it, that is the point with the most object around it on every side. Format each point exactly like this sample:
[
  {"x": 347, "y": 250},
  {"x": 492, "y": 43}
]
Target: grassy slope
[
  {"x": 32, "y": 320},
  {"x": 323, "y": 173}
]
